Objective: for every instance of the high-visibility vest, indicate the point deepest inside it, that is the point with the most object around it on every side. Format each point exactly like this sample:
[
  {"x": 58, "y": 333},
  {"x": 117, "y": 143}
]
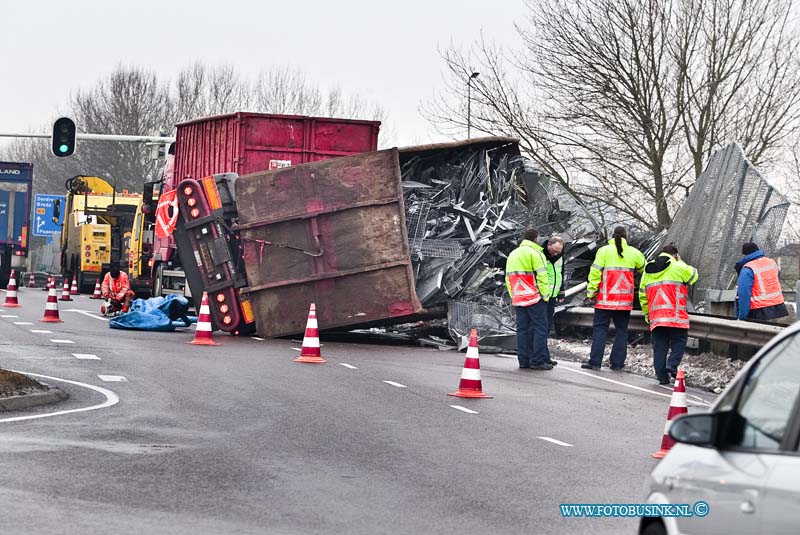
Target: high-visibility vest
[
  {"x": 667, "y": 304},
  {"x": 611, "y": 276},
  {"x": 766, "y": 283},
  {"x": 524, "y": 266},
  {"x": 554, "y": 270}
]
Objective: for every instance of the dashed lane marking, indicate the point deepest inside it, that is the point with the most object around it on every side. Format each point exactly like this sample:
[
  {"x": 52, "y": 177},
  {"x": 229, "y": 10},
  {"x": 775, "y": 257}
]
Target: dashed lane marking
[
  {"x": 113, "y": 378},
  {"x": 297, "y": 349},
  {"x": 61, "y": 341},
  {"x": 347, "y": 365},
  {"x": 558, "y": 442},
  {"x": 620, "y": 383},
  {"x": 398, "y": 385},
  {"x": 88, "y": 313},
  {"x": 41, "y": 331},
  {"x": 257, "y": 338},
  {"x": 85, "y": 356},
  {"x": 464, "y": 409},
  {"x": 23, "y": 323},
  {"x": 8, "y": 316},
  {"x": 111, "y": 399}
]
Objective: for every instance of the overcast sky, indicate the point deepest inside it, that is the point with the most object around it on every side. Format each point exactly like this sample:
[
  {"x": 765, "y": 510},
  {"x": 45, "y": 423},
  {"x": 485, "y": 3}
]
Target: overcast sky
[{"x": 385, "y": 51}]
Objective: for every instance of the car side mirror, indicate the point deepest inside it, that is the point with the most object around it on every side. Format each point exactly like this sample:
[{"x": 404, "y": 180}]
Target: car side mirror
[{"x": 695, "y": 429}]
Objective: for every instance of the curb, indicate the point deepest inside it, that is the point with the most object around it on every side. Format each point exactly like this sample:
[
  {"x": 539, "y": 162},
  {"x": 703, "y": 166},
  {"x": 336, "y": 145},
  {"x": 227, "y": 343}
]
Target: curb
[{"x": 53, "y": 394}]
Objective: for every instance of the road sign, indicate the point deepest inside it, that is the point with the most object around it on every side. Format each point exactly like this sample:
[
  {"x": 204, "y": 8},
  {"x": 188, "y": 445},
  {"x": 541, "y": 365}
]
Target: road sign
[{"x": 43, "y": 224}]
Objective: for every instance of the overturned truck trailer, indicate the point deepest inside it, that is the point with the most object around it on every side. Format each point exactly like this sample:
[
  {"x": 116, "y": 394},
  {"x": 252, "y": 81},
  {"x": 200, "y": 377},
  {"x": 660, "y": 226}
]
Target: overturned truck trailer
[{"x": 336, "y": 233}]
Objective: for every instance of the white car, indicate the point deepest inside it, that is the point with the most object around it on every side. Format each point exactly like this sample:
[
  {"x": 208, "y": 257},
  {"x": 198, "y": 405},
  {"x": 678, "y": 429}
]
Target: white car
[{"x": 741, "y": 457}]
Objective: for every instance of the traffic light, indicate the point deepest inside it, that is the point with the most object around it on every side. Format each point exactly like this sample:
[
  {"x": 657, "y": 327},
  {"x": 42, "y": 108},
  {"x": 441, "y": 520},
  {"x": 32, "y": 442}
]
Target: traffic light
[{"x": 64, "y": 137}]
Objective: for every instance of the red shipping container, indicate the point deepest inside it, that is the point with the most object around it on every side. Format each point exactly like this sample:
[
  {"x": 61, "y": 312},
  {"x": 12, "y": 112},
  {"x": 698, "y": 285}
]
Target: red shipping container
[{"x": 251, "y": 142}]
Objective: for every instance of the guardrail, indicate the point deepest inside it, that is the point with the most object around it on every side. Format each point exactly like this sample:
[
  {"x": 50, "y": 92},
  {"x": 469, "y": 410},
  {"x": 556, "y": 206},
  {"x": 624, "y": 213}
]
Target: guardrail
[{"x": 709, "y": 328}]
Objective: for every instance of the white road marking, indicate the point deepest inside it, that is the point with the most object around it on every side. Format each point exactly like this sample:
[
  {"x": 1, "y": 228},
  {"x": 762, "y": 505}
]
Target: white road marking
[
  {"x": 113, "y": 378},
  {"x": 23, "y": 323},
  {"x": 398, "y": 385},
  {"x": 8, "y": 316},
  {"x": 41, "y": 331},
  {"x": 111, "y": 399},
  {"x": 85, "y": 356},
  {"x": 87, "y": 313},
  {"x": 554, "y": 441},
  {"x": 257, "y": 338},
  {"x": 620, "y": 383},
  {"x": 464, "y": 409},
  {"x": 347, "y": 365},
  {"x": 61, "y": 341},
  {"x": 297, "y": 349}
]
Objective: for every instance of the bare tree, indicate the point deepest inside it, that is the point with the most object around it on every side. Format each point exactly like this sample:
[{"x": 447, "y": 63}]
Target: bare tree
[
  {"x": 201, "y": 91},
  {"x": 621, "y": 100}
]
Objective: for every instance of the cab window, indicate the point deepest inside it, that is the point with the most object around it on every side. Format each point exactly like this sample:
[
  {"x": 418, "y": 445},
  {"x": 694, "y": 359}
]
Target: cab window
[{"x": 768, "y": 398}]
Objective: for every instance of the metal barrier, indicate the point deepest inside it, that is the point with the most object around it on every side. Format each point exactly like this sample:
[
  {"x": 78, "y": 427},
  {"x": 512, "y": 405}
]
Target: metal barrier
[{"x": 709, "y": 328}]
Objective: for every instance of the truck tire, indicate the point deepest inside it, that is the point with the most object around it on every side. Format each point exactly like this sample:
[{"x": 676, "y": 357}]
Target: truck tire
[{"x": 158, "y": 280}]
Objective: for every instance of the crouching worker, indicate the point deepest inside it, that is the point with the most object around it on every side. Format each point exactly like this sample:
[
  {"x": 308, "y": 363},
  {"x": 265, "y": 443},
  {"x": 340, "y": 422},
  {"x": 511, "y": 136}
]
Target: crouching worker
[{"x": 116, "y": 290}]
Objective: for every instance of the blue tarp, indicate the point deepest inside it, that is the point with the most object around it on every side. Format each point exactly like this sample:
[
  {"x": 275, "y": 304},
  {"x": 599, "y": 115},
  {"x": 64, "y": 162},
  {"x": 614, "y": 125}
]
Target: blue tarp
[{"x": 154, "y": 314}]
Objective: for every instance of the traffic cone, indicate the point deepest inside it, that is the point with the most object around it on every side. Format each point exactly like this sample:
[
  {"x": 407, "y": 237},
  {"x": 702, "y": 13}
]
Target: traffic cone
[
  {"x": 74, "y": 288},
  {"x": 310, "y": 352},
  {"x": 202, "y": 334},
  {"x": 470, "y": 385},
  {"x": 51, "y": 308},
  {"x": 65, "y": 291},
  {"x": 677, "y": 406},
  {"x": 11, "y": 292},
  {"x": 48, "y": 283},
  {"x": 96, "y": 294},
  {"x": 31, "y": 281}
]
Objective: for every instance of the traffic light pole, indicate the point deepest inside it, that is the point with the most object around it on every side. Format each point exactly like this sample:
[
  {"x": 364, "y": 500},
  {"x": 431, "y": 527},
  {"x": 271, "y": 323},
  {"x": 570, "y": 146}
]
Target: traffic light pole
[{"x": 100, "y": 137}]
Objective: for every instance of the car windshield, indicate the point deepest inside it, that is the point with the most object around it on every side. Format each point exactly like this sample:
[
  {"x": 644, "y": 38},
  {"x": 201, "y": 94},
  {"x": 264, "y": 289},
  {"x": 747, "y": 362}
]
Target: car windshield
[{"x": 769, "y": 394}]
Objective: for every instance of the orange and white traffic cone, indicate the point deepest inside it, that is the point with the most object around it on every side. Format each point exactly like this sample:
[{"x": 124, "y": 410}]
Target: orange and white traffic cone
[
  {"x": 32, "y": 281},
  {"x": 310, "y": 352},
  {"x": 11, "y": 292},
  {"x": 470, "y": 385},
  {"x": 677, "y": 406},
  {"x": 65, "y": 291},
  {"x": 48, "y": 283},
  {"x": 96, "y": 294},
  {"x": 203, "y": 332},
  {"x": 51, "y": 308},
  {"x": 74, "y": 288}
]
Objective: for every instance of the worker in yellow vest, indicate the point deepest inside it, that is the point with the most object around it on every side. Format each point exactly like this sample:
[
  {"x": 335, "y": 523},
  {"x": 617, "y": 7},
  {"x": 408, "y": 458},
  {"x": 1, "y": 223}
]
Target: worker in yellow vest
[
  {"x": 759, "y": 295},
  {"x": 529, "y": 287},
  {"x": 610, "y": 290},
  {"x": 663, "y": 294}
]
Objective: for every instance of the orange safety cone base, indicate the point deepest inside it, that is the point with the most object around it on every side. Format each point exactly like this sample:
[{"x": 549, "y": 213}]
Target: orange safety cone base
[
  {"x": 469, "y": 394},
  {"x": 310, "y": 360},
  {"x": 11, "y": 305},
  {"x": 203, "y": 342},
  {"x": 52, "y": 320}
]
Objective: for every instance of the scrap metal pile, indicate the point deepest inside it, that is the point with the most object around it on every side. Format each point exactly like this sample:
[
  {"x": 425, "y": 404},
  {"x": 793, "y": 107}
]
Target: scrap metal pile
[{"x": 467, "y": 205}]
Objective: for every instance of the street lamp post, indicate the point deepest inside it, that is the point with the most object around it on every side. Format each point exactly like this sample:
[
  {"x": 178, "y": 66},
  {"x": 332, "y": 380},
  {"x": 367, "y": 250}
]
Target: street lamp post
[{"x": 469, "y": 102}]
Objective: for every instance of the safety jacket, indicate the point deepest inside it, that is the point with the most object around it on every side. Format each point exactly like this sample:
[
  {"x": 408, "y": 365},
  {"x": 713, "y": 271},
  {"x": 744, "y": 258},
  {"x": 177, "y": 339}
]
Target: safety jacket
[
  {"x": 526, "y": 275},
  {"x": 663, "y": 292},
  {"x": 115, "y": 288},
  {"x": 555, "y": 271},
  {"x": 611, "y": 276},
  {"x": 767, "y": 290}
]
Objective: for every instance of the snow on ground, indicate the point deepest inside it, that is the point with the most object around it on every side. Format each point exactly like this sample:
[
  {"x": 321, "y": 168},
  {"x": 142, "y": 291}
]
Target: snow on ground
[{"x": 705, "y": 370}]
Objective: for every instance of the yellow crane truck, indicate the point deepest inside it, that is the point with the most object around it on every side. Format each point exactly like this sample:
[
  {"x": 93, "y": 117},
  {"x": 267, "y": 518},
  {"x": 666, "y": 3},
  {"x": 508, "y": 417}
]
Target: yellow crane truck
[{"x": 97, "y": 228}]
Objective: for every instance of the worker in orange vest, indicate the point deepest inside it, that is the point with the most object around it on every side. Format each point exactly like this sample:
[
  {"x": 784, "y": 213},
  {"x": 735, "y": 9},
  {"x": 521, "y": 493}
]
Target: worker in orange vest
[
  {"x": 759, "y": 294},
  {"x": 116, "y": 289}
]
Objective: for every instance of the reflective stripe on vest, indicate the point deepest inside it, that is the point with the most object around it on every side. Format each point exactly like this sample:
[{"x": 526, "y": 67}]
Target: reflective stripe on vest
[
  {"x": 766, "y": 283},
  {"x": 666, "y": 301},
  {"x": 524, "y": 291},
  {"x": 616, "y": 289}
]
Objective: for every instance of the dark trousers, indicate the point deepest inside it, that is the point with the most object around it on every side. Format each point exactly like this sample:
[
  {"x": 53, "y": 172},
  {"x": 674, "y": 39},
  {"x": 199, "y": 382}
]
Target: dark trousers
[
  {"x": 602, "y": 319},
  {"x": 532, "y": 334},
  {"x": 551, "y": 324},
  {"x": 670, "y": 340}
]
